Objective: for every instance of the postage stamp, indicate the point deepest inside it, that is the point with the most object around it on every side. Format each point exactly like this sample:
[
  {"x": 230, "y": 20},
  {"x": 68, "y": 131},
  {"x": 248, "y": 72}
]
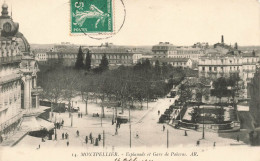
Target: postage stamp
[{"x": 91, "y": 16}]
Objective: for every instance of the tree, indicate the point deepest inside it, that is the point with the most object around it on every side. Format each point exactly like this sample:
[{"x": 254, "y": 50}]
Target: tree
[
  {"x": 254, "y": 89},
  {"x": 157, "y": 67},
  {"x": 52, "y": 87},
  {"x": 236, "y": 46},
  {"x": 88, "y": 61},
  {"x": 104, "y": 63},
  {"x": 79, "y": 62},
  {"x": 185, "y": 93},
  {"x": 86, "y": 86},
  {"x": 70, "y": 83},
  {"x": 220, "y": 88}
]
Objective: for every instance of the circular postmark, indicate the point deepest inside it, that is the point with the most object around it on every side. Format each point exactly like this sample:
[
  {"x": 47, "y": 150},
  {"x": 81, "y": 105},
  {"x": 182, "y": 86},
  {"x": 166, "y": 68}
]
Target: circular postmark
[{"x": 97, "y": 19}]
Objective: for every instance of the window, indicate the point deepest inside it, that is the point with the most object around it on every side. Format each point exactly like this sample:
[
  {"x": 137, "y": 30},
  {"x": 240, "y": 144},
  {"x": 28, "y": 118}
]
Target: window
[
  {"x": 203, "y": 68},
  {"x": 215, "y": 68},
  {"x": 209, "y": 68}
]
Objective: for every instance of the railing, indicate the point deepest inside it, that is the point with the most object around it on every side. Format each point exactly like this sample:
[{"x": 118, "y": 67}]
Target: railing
[
  {"x": 10, "y": 121},
  {"x": 249, "y": 70},
  {"x": 10, "y": 59}
]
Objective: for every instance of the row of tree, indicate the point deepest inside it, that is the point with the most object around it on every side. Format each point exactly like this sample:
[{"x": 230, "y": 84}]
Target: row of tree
[
  {"x": 80, "y": 65},
  {"x": 125, "y": 85}
]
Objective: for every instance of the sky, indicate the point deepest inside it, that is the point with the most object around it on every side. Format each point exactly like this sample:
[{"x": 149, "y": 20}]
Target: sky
[{"x": 180, "y": 22}]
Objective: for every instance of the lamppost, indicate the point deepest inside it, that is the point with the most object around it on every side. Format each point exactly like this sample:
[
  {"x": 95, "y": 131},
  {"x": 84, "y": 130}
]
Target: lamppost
[
  {"x": 203, "y": 130},
  {"x": 130, "y": 129}
]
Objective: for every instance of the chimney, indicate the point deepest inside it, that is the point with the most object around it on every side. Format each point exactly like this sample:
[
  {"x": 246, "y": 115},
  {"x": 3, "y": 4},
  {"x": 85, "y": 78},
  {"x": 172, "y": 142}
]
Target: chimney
[{"x": 222, "y": 39}]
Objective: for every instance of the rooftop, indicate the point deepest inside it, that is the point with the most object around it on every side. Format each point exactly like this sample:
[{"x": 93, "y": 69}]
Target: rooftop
[{"x": 170, "y": 59}]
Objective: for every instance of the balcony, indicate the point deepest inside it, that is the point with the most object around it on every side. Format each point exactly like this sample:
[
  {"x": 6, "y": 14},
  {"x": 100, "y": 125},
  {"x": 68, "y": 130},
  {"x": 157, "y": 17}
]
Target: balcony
[
  {"x": 234, "y": 71},
  {"x": 10, "y": 59},
  {"x": 249, "y": 70},
  {"x": 10, "y": 121}
]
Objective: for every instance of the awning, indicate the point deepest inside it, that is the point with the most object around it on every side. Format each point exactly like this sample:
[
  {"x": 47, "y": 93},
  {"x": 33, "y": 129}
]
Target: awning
[
  {"x": 36, "y": 124},
  {"x": 45, "y": 124},
  {"x": 30, "y": 123}
]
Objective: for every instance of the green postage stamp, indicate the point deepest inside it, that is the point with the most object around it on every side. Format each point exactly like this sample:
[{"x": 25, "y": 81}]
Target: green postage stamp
[{"x": 91, "y": 16}]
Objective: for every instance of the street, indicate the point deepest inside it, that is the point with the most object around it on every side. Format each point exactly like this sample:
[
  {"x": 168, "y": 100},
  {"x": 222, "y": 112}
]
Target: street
[{"x": 144, "y": 123}]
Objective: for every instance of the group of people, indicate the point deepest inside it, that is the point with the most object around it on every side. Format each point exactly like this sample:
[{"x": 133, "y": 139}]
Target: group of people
[
  {"x": 80, "y": 115},
  {"x": 92, "y": 139},
  {"x": 58, "y": 125},
  {"x": 65, "y": 136}
]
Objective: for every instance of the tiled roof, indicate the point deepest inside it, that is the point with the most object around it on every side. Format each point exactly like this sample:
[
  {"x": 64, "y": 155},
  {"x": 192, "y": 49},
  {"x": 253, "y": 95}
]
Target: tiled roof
[
  {"x": 110, "y": 50},
  {"x": 170, "y": 59}
]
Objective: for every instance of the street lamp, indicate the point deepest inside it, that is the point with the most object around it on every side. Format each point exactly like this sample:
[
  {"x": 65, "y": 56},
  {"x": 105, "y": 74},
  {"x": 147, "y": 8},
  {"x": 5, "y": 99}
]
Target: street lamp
[{"x": 203, "y": 130}]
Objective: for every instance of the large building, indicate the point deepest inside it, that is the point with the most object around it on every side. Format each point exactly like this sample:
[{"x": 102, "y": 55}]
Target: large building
[
  {"x": 115, "y": 56},
  {"x": 167, "y": 50},
  {"x": 67, "y": 55},
  {"x": 175, "y": 62},
  {"x": 215, "y": 65},
  {"x": 18, "y": 75}
]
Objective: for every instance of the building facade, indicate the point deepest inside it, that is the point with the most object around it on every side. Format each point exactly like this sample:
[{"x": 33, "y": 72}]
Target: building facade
[
  {"x": 167, "y": 50},
  {"x": 18, "y": 75},
  {"x": 115, "y": 56},
  {"x": 175, "y": 62},
  {"x": 215, "y": 65}
]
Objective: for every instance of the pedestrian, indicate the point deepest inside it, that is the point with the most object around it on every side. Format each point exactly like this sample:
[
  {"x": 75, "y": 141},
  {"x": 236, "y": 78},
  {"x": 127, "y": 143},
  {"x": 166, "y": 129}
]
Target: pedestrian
[
  {"x": 214, "y": 144},
  {"x": 66, "y": 136},
  {"x": 163, "y": 127},
  {"x": 55, "y": 136},
  {"x": 39, "y": 146},
  {"x": 185, "y": 133},
  {"x": 62, "y": 136},
  {"x": 99, "y": 137},
  {"x": 116, "y": 131},
  {"x": 68, "y": 143},
  {"x": 112, "y": 121},
  {"x": 77, "y": 132},
  {"x": 90, "y": 136},
  {"x": 86, "y": 139},
  {"x": 96, "y": 143},
  {"x": 81, "y": 114},
  {"x": 43, "y": 139},
  {"x": 158, "y": 112},
  {"x": 198, "y": 143},
  {"x": 237, "y": 138},
  {"x": 78, "y": 115}
]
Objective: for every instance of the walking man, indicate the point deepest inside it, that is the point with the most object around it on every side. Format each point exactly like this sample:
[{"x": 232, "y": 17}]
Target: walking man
[
  {"x": 86, "y": 139},
  {"x": 198, "y": 143},
  {"x": 185, "y": 133},
  {"x": 62, "y": 136},
  {"x": 99, "y": 137},
  {"x": 68, "y": 143},
  {"x": 237, "y": 138},
  {"x": 77, "y": 132},
  {"x": 90, "y": 136},
  {"x": 163, "y": 127}
]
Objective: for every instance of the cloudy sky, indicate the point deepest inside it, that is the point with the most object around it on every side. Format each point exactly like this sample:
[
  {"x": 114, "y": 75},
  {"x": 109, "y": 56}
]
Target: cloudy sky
[{"x": 181, "y": 22}]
